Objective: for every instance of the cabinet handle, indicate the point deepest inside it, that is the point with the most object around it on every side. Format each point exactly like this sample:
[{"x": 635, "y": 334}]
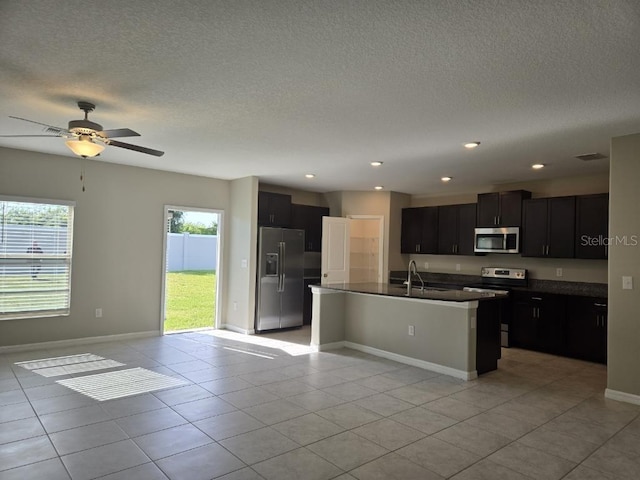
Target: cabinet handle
[
  {"x": 495, "y": 220},
  {"x": 547, "y": 253},
  {"x": 598, "y": 321},
  {"x": 536, "y": 298},
  {"x": 456, "y": 248},
  {"x": 599, "y": 304},
  {"x": 543, "y": 250}
]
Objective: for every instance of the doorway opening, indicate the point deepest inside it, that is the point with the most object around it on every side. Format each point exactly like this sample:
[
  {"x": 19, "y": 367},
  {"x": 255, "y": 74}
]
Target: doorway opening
[
  {"x": 353, "y": 249},
  {"x": 366, "y": 249},
  {"x": 191, "y": 269}
]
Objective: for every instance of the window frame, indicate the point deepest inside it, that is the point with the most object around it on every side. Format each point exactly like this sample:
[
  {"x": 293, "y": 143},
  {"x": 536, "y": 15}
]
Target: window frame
[{"x": 67, "y": 257}]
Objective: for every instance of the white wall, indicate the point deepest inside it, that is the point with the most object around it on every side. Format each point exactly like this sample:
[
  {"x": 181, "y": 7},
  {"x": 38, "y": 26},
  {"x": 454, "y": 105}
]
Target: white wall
[
  {"x": 118, "y": 237},
  {"x": 624, "y": 260},
  {"x": 241, "y": 253}
]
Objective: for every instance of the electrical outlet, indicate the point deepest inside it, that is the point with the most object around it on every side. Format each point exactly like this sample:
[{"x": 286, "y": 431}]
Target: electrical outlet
[
  {"x": 558, "y": 272},
  {"x": 243, "y": 263},
  {"x": 426, "y": 265},
  {"x": 457, "y": 267},
  {"x": 627, "y": 283},
  {"x": 235, "y": 306},
  {"x": 412, "y": 330},
  {"x": 98, "y": 313}
]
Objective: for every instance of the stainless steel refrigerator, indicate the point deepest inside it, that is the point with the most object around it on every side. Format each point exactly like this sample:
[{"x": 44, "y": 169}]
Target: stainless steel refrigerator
[{"x": 280, "y": 289}]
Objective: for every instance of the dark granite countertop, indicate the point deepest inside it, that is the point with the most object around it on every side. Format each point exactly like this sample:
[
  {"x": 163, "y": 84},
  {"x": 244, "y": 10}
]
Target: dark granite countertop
[
  {"x": 584, "y": 289},
  {"x": 429, "y": 293}
]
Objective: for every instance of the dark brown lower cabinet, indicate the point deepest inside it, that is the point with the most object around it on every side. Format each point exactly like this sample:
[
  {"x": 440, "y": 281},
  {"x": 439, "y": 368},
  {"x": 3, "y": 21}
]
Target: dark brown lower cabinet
[
  {"x": 538, "y": 322},
  {"x": 488, "y": 335},
  {"x": 587, "y": 328},
  {"x": 307, "y": 305},
  {"x": 569, "y": 325}
]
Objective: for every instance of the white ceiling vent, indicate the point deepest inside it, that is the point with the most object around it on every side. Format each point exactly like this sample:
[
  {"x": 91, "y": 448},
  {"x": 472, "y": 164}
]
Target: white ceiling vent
[{"x": 587, "y": 157}]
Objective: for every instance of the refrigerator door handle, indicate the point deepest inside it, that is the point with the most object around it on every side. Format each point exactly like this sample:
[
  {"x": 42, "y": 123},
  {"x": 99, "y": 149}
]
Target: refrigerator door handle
[{"x": 281, "y": 248}]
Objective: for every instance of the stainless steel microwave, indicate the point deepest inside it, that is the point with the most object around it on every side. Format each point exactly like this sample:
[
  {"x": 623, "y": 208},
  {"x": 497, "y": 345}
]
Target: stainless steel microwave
[{"x": 497, "y": 240}]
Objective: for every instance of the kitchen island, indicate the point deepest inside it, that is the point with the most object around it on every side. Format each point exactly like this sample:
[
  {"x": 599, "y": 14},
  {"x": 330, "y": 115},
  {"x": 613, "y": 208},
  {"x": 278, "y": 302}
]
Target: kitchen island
[{"x": 448, "y": 331}]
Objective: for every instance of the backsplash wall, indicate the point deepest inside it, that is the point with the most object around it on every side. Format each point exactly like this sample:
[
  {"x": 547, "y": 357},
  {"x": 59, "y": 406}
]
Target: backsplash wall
[{"x": 573, "y": 269}]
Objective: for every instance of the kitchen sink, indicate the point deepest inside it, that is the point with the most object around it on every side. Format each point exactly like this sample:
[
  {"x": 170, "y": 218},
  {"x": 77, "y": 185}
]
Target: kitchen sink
[{"x": 416, "y": 290}]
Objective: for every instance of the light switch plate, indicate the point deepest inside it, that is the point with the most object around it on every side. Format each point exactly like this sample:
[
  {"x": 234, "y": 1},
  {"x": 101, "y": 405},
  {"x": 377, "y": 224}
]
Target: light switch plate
[
  {"x": 412, "y": 330},
  {"x": 457, "y": 267},
  {"x": 558, "y": 272},
  {"x": 243, "y": 263},
  {"x": 627, "y": 283}
]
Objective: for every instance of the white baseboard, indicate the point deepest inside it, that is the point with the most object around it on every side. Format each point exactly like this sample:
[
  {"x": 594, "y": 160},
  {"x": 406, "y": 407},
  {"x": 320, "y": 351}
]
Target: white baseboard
[
  {"x": 329, "y": 346},
  {"x": 78, "y": 341},
  {"x": 234, "y": 328},
  {"x": 434, "y": 367},
  {"x": 622, "y": 396}
]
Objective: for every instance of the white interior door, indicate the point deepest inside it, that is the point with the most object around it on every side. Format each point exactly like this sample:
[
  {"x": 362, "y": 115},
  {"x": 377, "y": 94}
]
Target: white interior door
[{"x": 336, "y": 249}]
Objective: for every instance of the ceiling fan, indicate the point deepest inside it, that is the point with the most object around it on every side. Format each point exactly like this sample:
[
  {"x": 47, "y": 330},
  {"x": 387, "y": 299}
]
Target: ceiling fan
[{"x": 87, "y": 138}]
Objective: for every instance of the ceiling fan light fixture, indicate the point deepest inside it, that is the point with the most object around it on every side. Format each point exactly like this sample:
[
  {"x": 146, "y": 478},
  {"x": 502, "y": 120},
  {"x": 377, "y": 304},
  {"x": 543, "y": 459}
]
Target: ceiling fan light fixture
[{"x": 84, "y": 147}]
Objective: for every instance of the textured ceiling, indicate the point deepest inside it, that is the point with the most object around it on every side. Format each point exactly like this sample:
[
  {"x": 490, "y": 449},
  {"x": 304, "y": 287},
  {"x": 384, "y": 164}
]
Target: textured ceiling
[{"x": 278, "y": 89}]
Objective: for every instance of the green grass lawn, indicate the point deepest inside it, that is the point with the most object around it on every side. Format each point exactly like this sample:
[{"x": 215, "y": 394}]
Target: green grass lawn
[{"x": 190, "y": 300}]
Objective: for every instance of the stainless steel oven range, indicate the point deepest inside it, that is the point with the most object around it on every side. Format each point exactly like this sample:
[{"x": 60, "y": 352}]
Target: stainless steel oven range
[{"x": 501, "y": 280}]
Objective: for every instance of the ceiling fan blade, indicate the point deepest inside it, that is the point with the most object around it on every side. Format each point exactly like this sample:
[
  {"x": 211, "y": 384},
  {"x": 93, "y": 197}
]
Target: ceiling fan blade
[
  {"x": 136, "y": 148},
  {"x": 118, "y": 133},
  {"x": 60, "y": 129},
  {"x": 17, "y": 136}
]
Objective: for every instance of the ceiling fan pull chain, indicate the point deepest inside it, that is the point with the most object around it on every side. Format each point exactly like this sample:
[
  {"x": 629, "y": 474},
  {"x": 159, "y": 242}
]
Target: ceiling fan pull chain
[{"x": 82, "y": 172}]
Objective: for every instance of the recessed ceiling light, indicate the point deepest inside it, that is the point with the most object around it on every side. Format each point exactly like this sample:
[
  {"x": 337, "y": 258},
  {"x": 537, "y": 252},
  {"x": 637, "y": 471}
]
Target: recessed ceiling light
[
  {"x": 378, "y": 187},
  {"x": 446, "y": 179},
  {"x": 310, "y": 175},
  {"x": 376, "y": 164},
  {"x": 471, "y": 145},
  {"x": 537, "y": 166}
]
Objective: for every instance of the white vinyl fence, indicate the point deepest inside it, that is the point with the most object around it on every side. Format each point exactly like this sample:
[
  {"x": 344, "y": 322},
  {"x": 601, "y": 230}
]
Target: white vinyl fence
[{"x": 186, "y": 251}]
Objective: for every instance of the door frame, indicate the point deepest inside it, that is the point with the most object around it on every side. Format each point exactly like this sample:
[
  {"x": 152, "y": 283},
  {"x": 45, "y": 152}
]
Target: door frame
[{"x": 219, "y": 264}]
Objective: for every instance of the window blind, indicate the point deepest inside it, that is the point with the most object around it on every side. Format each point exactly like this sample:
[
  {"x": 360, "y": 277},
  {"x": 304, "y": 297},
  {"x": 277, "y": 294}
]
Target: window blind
[{"x": 36, "y": 239}]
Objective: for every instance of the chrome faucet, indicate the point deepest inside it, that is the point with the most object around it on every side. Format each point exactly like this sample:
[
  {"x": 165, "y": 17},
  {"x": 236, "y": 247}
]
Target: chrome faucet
[{"x": 413, "y": 270}]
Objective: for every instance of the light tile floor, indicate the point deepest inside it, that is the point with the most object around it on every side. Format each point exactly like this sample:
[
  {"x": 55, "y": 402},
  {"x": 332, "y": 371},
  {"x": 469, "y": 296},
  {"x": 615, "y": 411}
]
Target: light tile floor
[{"x": 266, "y": 407}]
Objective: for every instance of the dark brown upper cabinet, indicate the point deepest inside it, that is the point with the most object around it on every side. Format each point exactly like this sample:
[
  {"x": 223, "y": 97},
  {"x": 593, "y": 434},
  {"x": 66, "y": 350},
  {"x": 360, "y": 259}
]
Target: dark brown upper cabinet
[
  {"x": 456, "y": 224},
  {"x": 501, "y": 209},
  {"x": 592, "y": 226},
  {"x": 309, "y": 219},
  {"x": 274, "y": 209},
  {"x": 419, "y": 232},
  {"x": 549, "y": 227}
]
